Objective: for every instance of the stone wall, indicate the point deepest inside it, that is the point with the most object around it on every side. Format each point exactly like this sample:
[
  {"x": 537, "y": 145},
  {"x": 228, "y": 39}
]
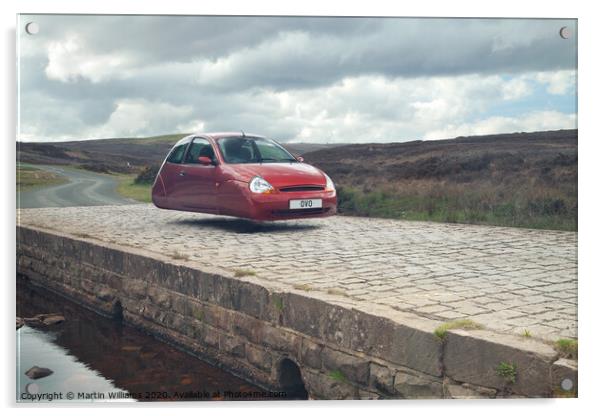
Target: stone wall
[{"x": 343, "y": 350}]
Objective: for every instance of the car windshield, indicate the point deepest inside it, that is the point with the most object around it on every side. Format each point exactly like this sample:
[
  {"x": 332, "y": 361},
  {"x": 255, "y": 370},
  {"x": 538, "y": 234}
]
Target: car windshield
[{"x": 253, "y": 150}]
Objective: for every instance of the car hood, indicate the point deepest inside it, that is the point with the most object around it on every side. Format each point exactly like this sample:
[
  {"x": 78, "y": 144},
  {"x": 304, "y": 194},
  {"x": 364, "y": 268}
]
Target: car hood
[{"x": 282, "y": 174}]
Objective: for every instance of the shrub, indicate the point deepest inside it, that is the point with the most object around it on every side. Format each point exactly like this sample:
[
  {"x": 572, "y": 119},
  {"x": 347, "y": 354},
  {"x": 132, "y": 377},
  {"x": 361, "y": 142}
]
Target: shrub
[{"x": 147, "y": 175}]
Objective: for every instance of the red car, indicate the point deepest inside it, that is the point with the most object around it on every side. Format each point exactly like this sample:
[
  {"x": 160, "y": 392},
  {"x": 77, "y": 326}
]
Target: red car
[{"x": 242, "y": 176}]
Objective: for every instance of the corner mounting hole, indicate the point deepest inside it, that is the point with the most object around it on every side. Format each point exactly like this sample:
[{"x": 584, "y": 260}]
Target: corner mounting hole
[
  {"x": 32, "y": 28},
  {"x": 290, "y": 380}
]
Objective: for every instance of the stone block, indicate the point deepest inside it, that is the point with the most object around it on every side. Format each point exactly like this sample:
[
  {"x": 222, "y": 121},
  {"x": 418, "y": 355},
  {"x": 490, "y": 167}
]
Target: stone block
[
  {"x": 251, "y": 299},
  {"x": 381, "y": 379},
  {"x": 564, "y": 378},
  {"x": 303, "y": 314},
  {"x": 353, "y": 368},
  {"x": 159, "y": 297},
  {"x": 323, "y": 386},
  {"x": 232, "y": 345},
  {"x": 248, "y": 327},
  {"x": 135, "y": 288},
  {"x": 452, "y": 390},
  {"x": 311, "y": 354},
  {"x": 413, "y": 386},
  {"x": 475, "y": 356},
  {"x": 279, "y": 339},
  {"x": 211, "y": 336},
  {"x": 411, "y": 343},
  {"x": 367, "y": 395},
  {"x": 259, "y": 357},
  {"x": 217, "y": 317}
]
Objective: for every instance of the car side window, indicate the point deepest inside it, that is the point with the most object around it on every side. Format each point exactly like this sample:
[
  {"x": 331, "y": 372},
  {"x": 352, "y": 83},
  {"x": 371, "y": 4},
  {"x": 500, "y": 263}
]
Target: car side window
[
  {"x": 199, "y": 147},
  {"x": 177, "y": 153}
]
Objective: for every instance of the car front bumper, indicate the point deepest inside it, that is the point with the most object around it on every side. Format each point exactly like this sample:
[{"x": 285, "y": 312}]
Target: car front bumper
[{"x": 272, "y": 207}]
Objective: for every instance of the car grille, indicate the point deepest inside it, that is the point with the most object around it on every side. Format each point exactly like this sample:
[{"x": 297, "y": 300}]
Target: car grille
[
  {"x": 304, "y": 188},
  {"x": 309, "y": 211}
]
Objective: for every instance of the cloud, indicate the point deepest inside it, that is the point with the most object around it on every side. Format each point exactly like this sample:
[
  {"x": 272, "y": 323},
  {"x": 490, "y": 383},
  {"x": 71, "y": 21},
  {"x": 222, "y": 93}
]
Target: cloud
[
  {"x": 133, "y": 117},
  {"x": 309, "y": 79},
  {"x": 70, "y": 59},
  {"x": 558, "y": 82},
  {"x": 535, "y": 121},
  {"x": 355, "y": 109},
  {"x": 294, "y": 52}
]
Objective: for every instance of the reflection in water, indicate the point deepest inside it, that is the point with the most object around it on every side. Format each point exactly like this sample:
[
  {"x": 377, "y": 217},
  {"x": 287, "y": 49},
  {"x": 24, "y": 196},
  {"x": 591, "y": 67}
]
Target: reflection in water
[{"x": 95, "y": 355}]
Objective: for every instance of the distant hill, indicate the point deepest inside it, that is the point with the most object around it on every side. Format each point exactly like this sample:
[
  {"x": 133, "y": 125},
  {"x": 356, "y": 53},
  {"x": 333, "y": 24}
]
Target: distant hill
[
  {"x": 117, "y": 155},
  {"x": 521, "y": 179},
  {"x": 460, "y": 160}
]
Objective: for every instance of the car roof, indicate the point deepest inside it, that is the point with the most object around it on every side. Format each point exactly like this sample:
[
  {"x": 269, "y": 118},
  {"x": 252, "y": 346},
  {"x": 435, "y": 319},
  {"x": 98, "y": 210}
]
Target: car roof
[
  {"x": 233, "y": 134},
  {"x": 218, "y": 135}
]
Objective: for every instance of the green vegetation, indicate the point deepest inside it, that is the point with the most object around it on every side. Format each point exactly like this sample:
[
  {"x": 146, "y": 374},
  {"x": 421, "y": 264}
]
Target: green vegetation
[
  {"x": 337, "y": 375},
  {"x": 199, "y": 315},
  {"x": 147, "y": 175},
  {"x": 176, "y": 255},
  {"x": 29, "y": 177},
  {"x": 507, "y": 371},
  {"x": 130, "y": 189},
  {"x": 567, "y": 348},
  {"x": 336, "y": 291},
  {"x": 456, "y": 204},
  {"x": 527, "y": 333},
  {"x": 302, "y": 286},
  {"x": 244, "y": 272},
  {"x": 442, "y": 329},
  {"x": 278, "y": 303}
]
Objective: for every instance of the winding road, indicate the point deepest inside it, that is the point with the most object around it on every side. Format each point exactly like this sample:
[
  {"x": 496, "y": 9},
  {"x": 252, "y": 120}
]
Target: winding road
[{"x": 83, "y": 189}]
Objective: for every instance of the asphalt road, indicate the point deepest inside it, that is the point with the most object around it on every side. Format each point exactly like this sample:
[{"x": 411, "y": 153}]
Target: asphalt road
[{"x": 83, "y": 189}]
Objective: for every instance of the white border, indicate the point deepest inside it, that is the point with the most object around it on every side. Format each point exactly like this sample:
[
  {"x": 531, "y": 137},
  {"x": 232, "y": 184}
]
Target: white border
[{"x": 589, "y": 186}]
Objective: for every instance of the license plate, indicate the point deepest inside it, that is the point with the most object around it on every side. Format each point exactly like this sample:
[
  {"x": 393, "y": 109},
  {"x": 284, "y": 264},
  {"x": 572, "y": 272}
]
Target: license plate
[{"x": 305, "y": 203}]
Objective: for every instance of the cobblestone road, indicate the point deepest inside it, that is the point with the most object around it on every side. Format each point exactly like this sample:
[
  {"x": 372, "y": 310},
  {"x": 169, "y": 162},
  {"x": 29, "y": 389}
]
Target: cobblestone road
[{"x": 510, "y": 280}]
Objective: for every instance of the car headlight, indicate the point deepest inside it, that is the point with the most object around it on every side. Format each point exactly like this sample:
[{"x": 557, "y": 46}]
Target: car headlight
[
  {"x": 329, "y": 184},
  {"x": 259, "y": 185}
]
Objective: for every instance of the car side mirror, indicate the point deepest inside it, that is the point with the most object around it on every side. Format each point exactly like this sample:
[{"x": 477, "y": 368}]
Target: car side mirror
[
  {"x": 300, "y": 158},
  {"x": 205, "y": 161}
]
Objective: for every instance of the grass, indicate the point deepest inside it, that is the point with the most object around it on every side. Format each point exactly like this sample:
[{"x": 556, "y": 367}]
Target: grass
[
  {"x": 176, "y": 255},
  {"x": 278, "y": 303},
  {"x": 129, "y": 189},
  {"x": 527, "y": 333},
  {"x": 507, "y": 371},
  {"x": 337, "y": 375},
  {"x": 303, "y": 286},
  {"x": 463, "y": 204},
  {"x": 29, "y": 177},
  {"x": 442, "y": 329},
  {"x": 199, "y": 315},
  {"x": 567, "y": 348},
  {"x": 335, "y": 291},
  {"x": 244, "y": 272}
]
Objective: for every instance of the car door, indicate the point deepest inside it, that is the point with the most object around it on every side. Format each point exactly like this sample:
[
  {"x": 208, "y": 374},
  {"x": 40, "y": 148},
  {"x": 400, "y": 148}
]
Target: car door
[
  {"x": 195, "y": 188},
  {"x": 170, "y": 173}
]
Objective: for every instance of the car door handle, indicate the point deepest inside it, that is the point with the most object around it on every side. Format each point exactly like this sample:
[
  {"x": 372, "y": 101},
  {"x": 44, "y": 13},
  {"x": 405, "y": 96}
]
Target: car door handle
[{"x": 182, "y": 173}]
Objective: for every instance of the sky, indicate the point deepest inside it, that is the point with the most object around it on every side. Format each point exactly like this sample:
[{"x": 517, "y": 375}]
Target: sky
[{"x": 295, "y": 79}]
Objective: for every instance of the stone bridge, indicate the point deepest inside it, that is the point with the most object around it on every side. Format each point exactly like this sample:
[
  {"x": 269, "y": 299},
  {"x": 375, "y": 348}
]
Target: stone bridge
[{"x": 351, "y": 303}]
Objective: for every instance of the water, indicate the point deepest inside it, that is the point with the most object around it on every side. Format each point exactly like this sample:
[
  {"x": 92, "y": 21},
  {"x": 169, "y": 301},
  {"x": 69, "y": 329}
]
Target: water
[{"x": 96, "y": 359}]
